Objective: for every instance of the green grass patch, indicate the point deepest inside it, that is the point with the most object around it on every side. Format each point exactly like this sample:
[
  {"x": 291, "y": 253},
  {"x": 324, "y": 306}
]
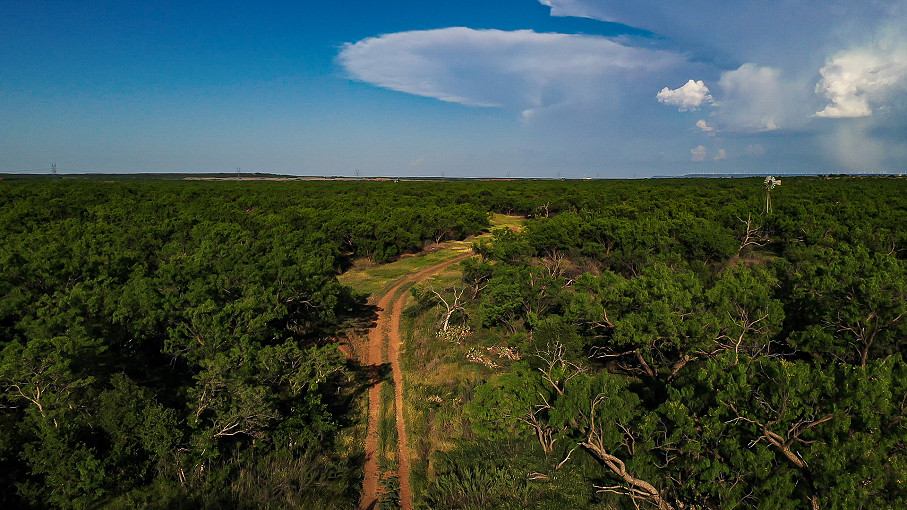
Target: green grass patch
[
  {"x": 439, "y": 381},
  {"x": 438, "y": 378},
  {"x": 389, "y": 484},
  {"x": 387, "y": 426},
  {"x": 373, "y": 279},
  {"x": 376, "y": 279},
  {"x": 504, "y": 221},
  {"x": 495, "y": 474}
]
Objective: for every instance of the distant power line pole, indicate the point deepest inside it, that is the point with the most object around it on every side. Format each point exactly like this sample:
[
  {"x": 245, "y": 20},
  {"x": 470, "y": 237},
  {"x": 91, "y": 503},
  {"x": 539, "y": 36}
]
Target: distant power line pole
[
  {"x": 238, "y": 172},
  {"x": 53, "y": 170}
]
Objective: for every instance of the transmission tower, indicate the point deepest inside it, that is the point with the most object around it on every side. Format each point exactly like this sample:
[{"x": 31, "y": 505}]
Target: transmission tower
[{"x": 53, "y": 170}]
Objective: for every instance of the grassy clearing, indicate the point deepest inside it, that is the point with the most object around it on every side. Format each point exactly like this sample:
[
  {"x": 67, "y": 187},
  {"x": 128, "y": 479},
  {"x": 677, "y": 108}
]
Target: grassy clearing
[
  {"x": 387, "y": 427},
  {"x": 436, "y": 390},
  {"x": 375, "y": 279},
  {"x": 439, "y": 381},
  {"x": 504, "y": 221},
  {"x": 389, "y": 485}
]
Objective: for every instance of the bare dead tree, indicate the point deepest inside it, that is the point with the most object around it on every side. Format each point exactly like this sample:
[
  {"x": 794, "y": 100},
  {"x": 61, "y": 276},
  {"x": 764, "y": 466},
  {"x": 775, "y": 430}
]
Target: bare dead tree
[
  {"x": 545, "y": 433},
  {"x": 747, "y": 325},
  {"x": 555, "y": 262},
  {"x": 863, "y": 331},
  {"x": 556, "y": 370},
  {"x": 751, "y": 234},
  {"x": 636, "y": 488},
  {"x": 603, "y": 323},
  {"x": 561, "y": 463},
  {"x": 784, "y": 443},
  {"x": 31, "y": 393},
  {"x": 452, "y": 305}
]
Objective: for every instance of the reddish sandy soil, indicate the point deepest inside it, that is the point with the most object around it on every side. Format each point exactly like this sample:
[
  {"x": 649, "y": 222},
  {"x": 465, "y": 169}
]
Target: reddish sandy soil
[{"x": 390, "y": 309}]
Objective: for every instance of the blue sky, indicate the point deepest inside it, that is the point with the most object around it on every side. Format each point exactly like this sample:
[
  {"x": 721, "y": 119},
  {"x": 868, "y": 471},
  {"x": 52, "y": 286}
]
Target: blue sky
[{"x": 533, "y": 88}]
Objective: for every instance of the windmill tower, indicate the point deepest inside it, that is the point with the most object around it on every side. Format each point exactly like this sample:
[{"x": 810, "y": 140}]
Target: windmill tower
[{"x": 770, "y": 183}]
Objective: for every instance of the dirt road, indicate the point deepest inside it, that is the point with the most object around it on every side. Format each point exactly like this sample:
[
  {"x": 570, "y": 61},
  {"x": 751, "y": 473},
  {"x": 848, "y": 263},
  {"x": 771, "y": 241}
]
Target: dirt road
[{"x": 390, "y": 309}]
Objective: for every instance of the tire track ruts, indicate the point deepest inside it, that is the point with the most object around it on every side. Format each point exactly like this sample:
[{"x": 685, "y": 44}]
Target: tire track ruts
[{"x": 391, "y": 303}]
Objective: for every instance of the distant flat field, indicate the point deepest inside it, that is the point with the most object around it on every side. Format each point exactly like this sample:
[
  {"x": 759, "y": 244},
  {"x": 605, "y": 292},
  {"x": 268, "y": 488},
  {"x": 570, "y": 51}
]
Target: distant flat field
[{"x": 317, "y": 178}]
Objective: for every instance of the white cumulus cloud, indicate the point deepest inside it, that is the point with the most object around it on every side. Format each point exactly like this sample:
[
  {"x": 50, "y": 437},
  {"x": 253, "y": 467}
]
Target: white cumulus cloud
[
  {"x": 722, "y": 154},
  {"x": 845, "y": 59},
  {"x": 522, "y": 69},
  {"x": 852, "y": 80},
  {"x": 688, "y": 97},
  {"x": 792, "y": 38},
  {"x": 755, "y": 98}
]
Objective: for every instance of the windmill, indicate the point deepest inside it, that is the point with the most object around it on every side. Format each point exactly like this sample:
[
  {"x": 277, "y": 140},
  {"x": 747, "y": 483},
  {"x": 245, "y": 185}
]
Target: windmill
[{"x": 770, "y": 183}]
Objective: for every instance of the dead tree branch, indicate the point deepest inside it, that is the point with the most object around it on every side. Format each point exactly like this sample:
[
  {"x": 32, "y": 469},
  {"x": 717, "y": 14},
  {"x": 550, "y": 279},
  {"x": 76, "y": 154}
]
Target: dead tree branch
[{"x": 633, "y": 487}]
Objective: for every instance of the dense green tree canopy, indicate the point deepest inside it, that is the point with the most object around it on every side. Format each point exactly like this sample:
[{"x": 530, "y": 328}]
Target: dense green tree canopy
[
  {"x": 170, "y": 338},
  {"x": 167, "y": 343},
  {"x": 708, "y": 355}
]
